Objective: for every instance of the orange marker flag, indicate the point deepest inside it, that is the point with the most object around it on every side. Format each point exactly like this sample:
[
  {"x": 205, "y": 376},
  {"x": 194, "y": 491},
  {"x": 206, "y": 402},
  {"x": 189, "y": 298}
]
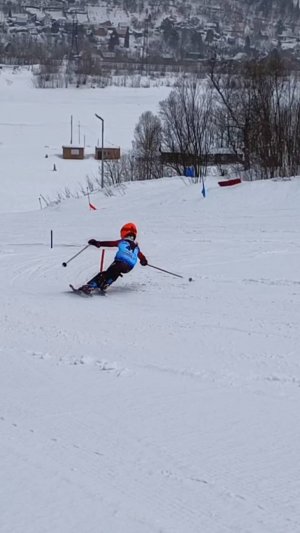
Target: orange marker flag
[{"x": 91, "y": 206}]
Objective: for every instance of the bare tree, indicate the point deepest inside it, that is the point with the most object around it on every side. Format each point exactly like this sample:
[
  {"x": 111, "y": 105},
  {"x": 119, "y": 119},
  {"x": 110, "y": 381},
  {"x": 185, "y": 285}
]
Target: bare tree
[
  {"x": 188, "y": 128},
  {"x": 146, "y": 145},
  {"x": 258, "y": 115},
  {"x": 233, "y": 111},
  {"x": 119, "y": 171}
]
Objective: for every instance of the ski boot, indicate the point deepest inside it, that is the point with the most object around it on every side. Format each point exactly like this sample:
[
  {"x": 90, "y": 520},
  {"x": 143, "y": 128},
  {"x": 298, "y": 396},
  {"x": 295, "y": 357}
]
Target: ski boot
[{"x": 89, "y": 287}]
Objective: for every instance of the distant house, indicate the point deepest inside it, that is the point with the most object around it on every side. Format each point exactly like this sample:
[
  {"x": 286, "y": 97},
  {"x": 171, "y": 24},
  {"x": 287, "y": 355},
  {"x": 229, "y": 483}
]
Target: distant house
[
  {"x": 73, "y": 152},
  {"x": 138, "y": 34},
  {"x": 20, "y": 20},
  {"x": 194, "y": 56},
  {"x": 106, "y": 55},
  {"x": 286, "y": 36},
  {"x": 168, "y": 57},
  {"x": 35, "y": 13},
  {"x": 56, "y": 4},
  {"x": 223, "y": 156},
  {"x": 108, "y": 153},
  {"x": 293, "y": 46},
  {"x": 123, "y": 34},
  {"x": 217, "y": 156},
  {"x": 100, "y": 31},
  {"x": 210, "y": 26},
  {"x": 107, "y": 24},
  {"x": 80, "y": 17},
  {"x": 55, "y": 14},
  {"x": 83, "y": 18}
]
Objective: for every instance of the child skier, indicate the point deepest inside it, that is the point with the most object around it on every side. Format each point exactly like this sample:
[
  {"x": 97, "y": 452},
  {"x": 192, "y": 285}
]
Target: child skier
[{"x": 125, "y": 259}]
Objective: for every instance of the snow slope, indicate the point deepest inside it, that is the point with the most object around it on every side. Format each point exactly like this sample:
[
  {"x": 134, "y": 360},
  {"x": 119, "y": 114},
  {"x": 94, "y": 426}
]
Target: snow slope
[
  {"x": 166, "y": 406},
  {"x": 35, "y": 124}
]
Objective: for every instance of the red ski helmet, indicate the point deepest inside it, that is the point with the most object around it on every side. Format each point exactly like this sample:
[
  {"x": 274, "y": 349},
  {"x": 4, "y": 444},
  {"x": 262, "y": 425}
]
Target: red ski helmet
[{"x": 128, "y": 229}]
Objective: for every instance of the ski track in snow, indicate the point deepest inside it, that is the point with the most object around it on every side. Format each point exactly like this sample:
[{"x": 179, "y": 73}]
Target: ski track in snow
[{"x": 198, "y": 352}]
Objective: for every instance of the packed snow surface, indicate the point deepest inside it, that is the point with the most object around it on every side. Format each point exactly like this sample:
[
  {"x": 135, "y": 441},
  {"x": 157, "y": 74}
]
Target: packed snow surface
[{"x": 166, "y": 406}]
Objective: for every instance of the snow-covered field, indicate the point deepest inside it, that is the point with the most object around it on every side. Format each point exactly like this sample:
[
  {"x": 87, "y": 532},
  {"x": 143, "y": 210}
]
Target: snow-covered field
[
  {"x": 35, "y": 124},
  {"x": 167, "y": 406}
]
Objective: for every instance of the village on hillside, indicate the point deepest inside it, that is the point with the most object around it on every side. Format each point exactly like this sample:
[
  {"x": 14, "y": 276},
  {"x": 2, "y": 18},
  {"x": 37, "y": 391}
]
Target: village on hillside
[{"x": 151, "y": 36}]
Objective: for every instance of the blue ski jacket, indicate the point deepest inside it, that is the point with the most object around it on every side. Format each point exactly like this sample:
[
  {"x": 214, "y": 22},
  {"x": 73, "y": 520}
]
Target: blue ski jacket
[{"x": 128, "y": 251}]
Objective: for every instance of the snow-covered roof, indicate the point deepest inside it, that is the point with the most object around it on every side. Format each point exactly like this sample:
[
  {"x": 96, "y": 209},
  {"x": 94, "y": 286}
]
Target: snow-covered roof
[{"x": 55, "y": 14}]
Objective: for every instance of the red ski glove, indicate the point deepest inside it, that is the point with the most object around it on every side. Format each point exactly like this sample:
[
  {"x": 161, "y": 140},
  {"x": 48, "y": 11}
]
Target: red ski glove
[{"x": 143, "y": 261}]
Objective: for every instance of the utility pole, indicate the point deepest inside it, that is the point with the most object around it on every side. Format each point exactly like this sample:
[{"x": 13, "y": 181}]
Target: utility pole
[
  {"x": 71, "y": 140},
  {"x": 102, "y": 150}
]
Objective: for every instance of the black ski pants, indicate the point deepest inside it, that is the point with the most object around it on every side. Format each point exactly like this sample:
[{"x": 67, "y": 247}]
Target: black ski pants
[{"x": 114, "y": 271}]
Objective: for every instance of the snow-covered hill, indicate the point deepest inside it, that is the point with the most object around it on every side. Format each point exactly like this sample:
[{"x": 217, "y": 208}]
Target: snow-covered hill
[{"x": 166, "y": 406}]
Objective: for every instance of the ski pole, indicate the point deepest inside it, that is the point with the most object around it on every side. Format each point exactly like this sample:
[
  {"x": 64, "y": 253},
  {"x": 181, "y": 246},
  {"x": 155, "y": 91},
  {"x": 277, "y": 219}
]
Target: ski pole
[
  {"x": 166, "y": 271},
  {"x": 64, "y": 264}
]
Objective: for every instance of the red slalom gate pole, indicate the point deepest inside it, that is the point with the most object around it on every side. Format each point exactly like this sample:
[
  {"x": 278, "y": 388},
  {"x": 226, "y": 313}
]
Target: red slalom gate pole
[{"x": 102, "y": 261}]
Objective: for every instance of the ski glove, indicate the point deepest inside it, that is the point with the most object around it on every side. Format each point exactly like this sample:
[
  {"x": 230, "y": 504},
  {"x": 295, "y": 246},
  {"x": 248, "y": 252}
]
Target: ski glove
[
  {"x": 143, "y": 261},
  {"x": 93, "y": 242}
]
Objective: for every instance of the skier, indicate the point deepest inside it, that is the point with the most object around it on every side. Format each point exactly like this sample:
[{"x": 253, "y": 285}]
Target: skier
[{"x": 125, "y": 259}]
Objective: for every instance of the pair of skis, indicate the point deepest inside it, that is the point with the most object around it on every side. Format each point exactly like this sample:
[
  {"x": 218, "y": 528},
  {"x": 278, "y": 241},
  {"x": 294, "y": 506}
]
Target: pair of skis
[{"x": 83, "y": 293}]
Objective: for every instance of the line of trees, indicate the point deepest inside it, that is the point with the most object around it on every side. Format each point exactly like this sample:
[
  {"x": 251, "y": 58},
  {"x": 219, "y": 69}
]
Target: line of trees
[
  {"x": 258, "y": 115},
  {"x": 254, "y": 113}
]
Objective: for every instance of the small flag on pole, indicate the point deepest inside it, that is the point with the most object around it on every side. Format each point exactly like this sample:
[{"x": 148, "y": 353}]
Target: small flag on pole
[
  {"x": 91, "y": 206},
  {"x": 203, "y": 188}
]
